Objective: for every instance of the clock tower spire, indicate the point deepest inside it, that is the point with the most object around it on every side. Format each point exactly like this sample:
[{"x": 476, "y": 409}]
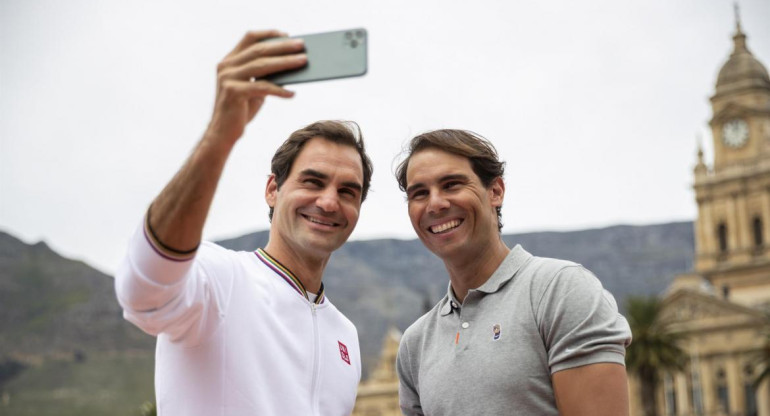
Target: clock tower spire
[
  {"x": 740, "y": 106},
  {"x": 733, "y": 227}
]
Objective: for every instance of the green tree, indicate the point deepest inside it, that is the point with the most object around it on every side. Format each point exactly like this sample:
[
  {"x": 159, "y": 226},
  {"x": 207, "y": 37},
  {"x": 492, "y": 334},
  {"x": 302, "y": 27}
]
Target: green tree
[
  {"x": 763, "y": 361},
  {"x": 148, "y": 409},
  {"x": 654, "y": 348},
  {"x": 9, "y": 368}
]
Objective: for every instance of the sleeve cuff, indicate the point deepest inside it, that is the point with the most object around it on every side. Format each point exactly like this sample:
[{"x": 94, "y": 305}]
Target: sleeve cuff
[{"x": 155, "y": 264}]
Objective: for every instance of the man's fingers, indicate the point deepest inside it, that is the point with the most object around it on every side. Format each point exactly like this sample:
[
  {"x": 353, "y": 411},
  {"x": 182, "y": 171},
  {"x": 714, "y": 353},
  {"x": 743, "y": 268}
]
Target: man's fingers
[
  {"x": 265, "y": 66},
  {"x": 255, "y": 36},
  {"x": 254, "y": 90},
  {"x": 265, "y": 48}
]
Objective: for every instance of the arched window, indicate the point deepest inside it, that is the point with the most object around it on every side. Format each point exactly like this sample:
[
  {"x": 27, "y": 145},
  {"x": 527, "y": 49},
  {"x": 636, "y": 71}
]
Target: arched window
[
  {"x": 757, "y": 226},
  {"x": 722, "y": 235}
]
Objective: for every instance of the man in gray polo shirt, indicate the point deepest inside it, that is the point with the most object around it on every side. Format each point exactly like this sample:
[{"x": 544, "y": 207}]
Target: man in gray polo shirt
[{"x": 515, "y": 334}]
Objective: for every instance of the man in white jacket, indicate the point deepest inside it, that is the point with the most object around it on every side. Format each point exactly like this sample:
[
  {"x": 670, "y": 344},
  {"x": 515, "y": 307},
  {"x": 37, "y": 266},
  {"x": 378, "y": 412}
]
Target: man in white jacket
[{"x": 251, "y": 333}]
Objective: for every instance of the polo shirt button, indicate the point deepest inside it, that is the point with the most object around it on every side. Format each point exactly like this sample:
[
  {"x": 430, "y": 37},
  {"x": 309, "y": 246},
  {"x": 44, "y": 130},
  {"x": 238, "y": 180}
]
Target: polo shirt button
[
  {"x": 465, "y": 325},
  {"x": 454, "y": 305}
]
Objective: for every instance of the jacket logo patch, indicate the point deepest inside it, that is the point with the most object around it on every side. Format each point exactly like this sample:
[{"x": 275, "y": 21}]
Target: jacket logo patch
[
  {"x": 344, "y": 353},
  {"x": 496, "y": 332}
]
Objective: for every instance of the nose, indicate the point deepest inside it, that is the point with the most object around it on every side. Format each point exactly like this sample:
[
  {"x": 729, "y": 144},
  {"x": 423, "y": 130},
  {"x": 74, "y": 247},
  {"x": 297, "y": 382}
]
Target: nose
[
  {"x": 328, "y": 200},
  {"x": 437, "y": 202}
]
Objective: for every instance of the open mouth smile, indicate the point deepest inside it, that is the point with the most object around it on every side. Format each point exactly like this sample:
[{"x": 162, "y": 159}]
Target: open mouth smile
[
  {"x": 318, "y": 221},
  {"x": 445, "y": 227}
]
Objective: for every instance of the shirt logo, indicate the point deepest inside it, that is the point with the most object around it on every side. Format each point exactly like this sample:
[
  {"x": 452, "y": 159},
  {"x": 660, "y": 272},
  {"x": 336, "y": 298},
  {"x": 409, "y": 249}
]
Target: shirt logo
[
  {"x": 344, "y": 353},
  {"x": 496, "y": 332}
]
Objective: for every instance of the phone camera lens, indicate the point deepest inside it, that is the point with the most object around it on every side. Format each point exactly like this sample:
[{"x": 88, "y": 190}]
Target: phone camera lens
[
  {"x": 359, "y": 33},
  {"x": 353, "y": 43},
  {"x": 348, "y": 35}
]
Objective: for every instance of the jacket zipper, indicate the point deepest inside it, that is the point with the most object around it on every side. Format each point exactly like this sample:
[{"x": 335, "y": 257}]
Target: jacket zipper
[{"x": 316, "y": 359}]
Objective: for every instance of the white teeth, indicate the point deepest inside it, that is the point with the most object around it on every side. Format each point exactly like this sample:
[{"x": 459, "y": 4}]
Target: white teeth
[
  {"x": 444, "y": 227},
  {"x": 319, "y": 221}
]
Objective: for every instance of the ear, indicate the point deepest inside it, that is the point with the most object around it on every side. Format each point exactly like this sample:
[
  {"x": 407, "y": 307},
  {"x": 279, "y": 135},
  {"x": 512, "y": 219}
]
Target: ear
[
  {"x": 271, "y": 191},
  {"x": 497, "y": 192}
]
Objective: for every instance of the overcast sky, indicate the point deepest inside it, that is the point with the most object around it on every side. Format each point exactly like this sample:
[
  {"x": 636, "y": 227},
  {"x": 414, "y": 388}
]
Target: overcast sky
[{"x": 595, "y": 105}]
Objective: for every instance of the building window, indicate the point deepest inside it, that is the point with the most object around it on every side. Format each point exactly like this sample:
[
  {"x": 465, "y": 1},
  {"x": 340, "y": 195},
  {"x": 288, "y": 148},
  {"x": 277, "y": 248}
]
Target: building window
[
  {"x": 723, "y": 398},
  {"x": 750, "y": 391},
  {"x": 697, "y": 396},
  {"x": 668, "y": 383},
  {"x": 757, "y": 226},
  {"x": 722, "y": 235}
]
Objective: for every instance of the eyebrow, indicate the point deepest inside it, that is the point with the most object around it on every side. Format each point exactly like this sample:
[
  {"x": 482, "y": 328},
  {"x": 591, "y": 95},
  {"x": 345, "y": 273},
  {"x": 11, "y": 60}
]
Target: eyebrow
[
  {"x": 314, "y": 173},
  {"x": 320, "y": 175},
  {"x": 456, "y": 176}
]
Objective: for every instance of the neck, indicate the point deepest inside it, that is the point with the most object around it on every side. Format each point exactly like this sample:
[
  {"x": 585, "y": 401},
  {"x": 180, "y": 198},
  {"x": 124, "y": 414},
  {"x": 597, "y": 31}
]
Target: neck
[
  {"x": 474, "y": 269},
  {"x": 306, "y": 268}
]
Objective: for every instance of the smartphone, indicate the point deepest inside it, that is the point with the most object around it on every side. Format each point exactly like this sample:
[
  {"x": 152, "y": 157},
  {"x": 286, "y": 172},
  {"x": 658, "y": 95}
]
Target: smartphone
[{"x": 330, "y": 55}]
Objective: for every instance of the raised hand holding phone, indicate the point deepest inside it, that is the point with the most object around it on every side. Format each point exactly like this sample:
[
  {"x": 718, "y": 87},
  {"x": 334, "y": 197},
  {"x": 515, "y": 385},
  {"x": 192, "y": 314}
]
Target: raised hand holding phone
[
  {"x": 179, "y": 211},
  {"x": 330, "y": 55},
  {"x": 241, "y": 84}
]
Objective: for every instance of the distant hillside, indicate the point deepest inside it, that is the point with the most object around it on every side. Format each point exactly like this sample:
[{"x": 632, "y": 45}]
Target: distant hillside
[
  {"x": 52, "y": 305},
  {"x": 65, "y": 349},
  {"x": 378, "y": 283}
]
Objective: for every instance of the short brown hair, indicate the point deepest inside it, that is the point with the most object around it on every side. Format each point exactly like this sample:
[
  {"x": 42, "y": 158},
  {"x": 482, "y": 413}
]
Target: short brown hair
[
  {"x": 485, "y": 162},
  {"x": 341, "y": 132}
]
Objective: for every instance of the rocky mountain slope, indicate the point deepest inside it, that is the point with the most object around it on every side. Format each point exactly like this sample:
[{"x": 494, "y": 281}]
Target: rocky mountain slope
[{"x": 52, "y": 305}]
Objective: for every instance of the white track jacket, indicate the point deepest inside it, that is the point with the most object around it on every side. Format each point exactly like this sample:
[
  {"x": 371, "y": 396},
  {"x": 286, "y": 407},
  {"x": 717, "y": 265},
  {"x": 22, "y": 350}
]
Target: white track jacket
[{"x": 235, "y": 337}]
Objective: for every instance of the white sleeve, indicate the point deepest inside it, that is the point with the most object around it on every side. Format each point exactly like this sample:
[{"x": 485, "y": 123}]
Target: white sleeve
[{"x": 184, "y": 299}]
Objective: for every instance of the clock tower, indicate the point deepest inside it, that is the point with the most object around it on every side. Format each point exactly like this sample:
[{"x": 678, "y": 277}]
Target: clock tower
[
  {"x": 733, "y": 226},
  {"x": 720, "y": 308}
]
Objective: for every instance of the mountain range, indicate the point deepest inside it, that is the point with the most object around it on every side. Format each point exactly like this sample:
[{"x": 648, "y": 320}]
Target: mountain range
[{"x": 52, "y": 306}]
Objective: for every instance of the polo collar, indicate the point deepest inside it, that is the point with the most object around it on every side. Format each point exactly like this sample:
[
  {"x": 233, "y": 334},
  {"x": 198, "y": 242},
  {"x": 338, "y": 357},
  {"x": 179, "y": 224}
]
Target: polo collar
[
  {"x": 450, "y": 302},
  {"x": 504, "y": 273},
  {"x": 288, "y": 276}
]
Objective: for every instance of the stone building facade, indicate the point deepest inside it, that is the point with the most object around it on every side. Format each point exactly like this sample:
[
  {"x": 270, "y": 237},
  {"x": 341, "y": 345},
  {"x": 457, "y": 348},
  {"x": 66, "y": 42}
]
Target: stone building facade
[
  {"x": 378, "y": 395},
  {"x": 721, "y": 307}
]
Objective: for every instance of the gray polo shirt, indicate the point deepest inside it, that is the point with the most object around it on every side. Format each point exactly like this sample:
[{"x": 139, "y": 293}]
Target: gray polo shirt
[{"x": 494, "y": 353}]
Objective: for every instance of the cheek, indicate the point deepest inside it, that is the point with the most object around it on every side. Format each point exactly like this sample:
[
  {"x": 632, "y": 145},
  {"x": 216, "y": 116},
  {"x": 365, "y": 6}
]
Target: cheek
[
  {"x": 414, "y": 215},
  {"x": 352, "y": 212}
]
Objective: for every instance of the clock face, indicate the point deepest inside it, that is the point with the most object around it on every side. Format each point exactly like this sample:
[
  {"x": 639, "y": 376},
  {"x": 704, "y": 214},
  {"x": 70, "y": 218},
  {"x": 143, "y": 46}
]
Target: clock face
[{"x": 735, "y": 133}]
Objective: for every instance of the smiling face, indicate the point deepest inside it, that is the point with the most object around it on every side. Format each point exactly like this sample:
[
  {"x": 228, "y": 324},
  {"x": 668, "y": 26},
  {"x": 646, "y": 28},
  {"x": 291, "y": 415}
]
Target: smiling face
[
  {"x": 452, "y": 212},
  {"x": 317, "y": 207}
]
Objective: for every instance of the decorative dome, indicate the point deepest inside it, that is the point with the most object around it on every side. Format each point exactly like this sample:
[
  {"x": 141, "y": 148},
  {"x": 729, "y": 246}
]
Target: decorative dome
[{"x": 742, "y": 70}]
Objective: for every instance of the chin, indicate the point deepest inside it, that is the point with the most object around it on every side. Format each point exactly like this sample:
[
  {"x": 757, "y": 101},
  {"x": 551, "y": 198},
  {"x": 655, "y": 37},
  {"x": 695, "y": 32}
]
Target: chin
[
  {"x": 441, "y": 250},
  {"x": 326, "y": 246}
]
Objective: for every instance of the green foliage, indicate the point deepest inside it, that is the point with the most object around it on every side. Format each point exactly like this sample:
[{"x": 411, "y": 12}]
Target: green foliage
[
  {"x": 762, "y": 361},
  {"x": 105, "y": 384},
  {"x": 654, "y": 348},
  {"x": 148, "y": 409},
  {"x": 9, "y": 368}
]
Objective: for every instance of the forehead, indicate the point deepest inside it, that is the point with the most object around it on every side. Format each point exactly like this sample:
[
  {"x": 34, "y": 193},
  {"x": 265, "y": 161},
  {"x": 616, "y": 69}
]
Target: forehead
[
  {"x": 325, "y": 155},
  {"x": 433, "y": 162}
]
